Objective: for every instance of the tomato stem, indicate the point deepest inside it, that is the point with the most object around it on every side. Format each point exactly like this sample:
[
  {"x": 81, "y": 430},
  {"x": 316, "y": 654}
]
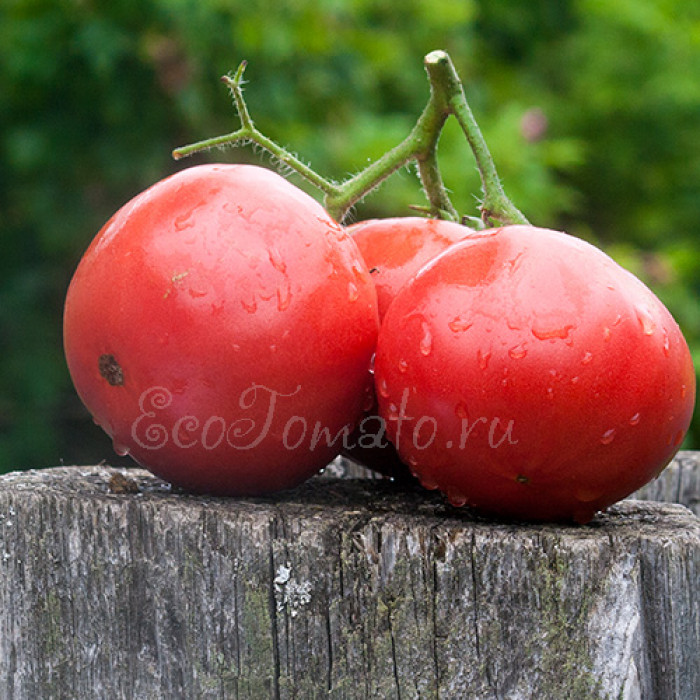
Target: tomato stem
[
  {"x": 446, "y": 98},
  {"x": 496, "y": 207},
  {"x": 249, "y": 133}
]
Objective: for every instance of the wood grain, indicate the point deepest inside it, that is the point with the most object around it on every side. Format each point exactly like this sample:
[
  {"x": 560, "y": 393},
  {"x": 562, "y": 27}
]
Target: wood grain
[{"x": 112, "y": 585}]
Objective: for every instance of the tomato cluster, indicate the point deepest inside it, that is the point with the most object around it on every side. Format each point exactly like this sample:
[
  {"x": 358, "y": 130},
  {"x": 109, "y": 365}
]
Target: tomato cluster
[{"x": 233, "y": 338}]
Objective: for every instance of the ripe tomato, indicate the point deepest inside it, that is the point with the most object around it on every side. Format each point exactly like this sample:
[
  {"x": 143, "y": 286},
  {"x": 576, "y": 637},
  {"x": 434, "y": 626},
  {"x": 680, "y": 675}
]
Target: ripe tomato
[
  {"x": 220, "y": 328},
  {"x": 394, "y": 250},
  {"x": 524, "y": 373}
]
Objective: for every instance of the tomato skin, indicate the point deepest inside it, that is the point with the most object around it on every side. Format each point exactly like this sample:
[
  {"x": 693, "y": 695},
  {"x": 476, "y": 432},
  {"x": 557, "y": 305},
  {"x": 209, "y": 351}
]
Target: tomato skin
[
  {"x": 524, "y": 373},
  {"x": 394, "y": 250},
  {"x": 215, "y": 311}
]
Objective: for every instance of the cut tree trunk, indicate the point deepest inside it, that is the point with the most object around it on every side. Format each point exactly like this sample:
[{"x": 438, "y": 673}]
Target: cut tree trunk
[{"x": 112, "y": 585}]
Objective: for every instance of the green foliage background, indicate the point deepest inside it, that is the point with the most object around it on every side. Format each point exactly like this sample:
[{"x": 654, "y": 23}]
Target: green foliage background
[{"x": 591, "y": 109}]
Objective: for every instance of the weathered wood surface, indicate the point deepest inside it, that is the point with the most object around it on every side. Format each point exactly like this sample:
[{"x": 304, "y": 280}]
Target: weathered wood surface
[
  {"x": 113, "y": 586},
  {"x": 678, "y": 483}
]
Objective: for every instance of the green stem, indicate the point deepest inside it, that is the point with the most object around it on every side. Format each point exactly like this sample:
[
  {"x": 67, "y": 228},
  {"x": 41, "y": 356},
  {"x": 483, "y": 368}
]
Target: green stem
[
  {"x": 446, "y": 98},
  {"x": 419, "y": 145},
  {"x": 496, "y": 207},
  {"x": 249, "y": 133}
]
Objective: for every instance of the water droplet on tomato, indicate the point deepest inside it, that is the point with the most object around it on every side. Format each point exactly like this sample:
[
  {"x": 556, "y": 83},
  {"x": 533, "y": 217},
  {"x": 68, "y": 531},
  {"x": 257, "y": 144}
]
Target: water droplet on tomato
[
  {"x": 277, "y": 260},
  {"x": 184, "y": 221},
  {"x": 426, "y": 341},
  {"x": 608, "y": 436},
  {"x": 459, "y": 324},
  {"x": 483, "y": 359},
  {"x": 667, "y": 344},
  {"x": 359, "y": 271},
  {"x": 646, "y": 320},
  {"x": 684, "y": 391},
  {"x": 634, "y": 420},
  {"x": 587, "y": 358},
  {"x": 505, "y": 380},
  {"x": 679, "y": 438},
  {"x": 427, "y": 482},
  {"x": 543, "y": 331},
  {"x": 403, "y": 366},
  {"x": 456, "y": 498},
  {"x": 518, "y": 352},
  {"x": 515, "y": 263},
  {"x": 250, "y": 305},
  {"x": 284, "y": 296},
  {"x": 353, "y": 292},
  {"x": 121, "y": 450},
  {"x": 333, "y": 271},
  {"x": 393, "y": 412},
  {"x": 337, "y": 231},
  {"x": 383, "y": 389},
  {"x": 606, "y": 334}
]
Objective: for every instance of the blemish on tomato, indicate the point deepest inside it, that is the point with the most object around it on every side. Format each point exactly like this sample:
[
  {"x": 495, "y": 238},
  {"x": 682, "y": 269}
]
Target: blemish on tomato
[{"x": 110, "y": 370}]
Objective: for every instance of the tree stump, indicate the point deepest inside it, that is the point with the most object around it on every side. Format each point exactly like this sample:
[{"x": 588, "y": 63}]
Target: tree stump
[{"x": 113, "y": 585}]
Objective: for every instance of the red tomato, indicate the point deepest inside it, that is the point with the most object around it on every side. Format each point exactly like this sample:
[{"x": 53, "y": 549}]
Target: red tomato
[
  {"x": 220, "y": 328},
  {"x": 394, "y": 250},
  {"x": 526, "y": 374}
]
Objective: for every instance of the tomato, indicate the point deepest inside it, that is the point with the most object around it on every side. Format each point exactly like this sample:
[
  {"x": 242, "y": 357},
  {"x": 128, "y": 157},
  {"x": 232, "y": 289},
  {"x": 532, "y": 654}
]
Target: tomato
[
  {"x": 524, "y": 373},
  {"x": 394, "y": 250},
  {"x": 220, "y": 328}
]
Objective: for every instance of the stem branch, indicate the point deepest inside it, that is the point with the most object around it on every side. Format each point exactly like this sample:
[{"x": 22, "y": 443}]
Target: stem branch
[
  {"x": 446, "y": 98},
  {"x": 496, "y": 207}
]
